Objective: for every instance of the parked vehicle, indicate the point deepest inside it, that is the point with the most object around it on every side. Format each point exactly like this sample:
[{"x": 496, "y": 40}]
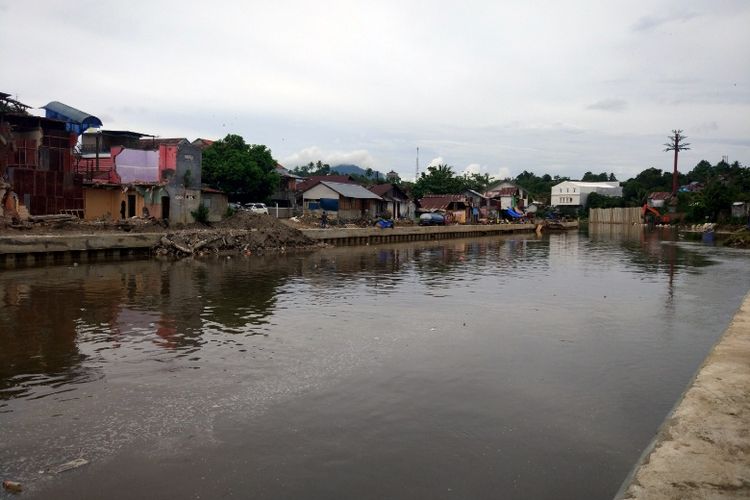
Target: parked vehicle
[
  {"x": 431, "y": 219},
  {"x": 257, "y": 208}
]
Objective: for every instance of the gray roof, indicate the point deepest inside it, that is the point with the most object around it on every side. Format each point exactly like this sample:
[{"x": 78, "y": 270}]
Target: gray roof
[
  {"x": 284, "y": 172},
  {"x": 351, "y": 190}
]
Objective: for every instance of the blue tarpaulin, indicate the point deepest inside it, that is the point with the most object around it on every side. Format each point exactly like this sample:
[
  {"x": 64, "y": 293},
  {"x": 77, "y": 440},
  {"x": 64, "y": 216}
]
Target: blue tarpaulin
[
  {"x": 330, "y": 204},
  {"x": 514, "y": 214}
]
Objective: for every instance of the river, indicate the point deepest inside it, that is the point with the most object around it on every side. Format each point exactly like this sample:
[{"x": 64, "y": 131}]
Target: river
[{"x": 500, "y": 367}]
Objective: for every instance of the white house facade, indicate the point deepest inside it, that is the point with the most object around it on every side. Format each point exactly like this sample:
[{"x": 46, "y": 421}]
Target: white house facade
[{"x": 575, "y": 193}]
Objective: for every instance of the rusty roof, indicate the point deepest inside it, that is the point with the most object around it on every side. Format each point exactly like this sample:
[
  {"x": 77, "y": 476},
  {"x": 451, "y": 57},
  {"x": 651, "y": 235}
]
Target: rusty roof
[
  {"x": 383, "y": 189},
  {"x": 440, "y": 201},
  {"x": 659, "y": 195},
  {"x": 315, "y": 179},
  {"x": 506, "y": 191}
]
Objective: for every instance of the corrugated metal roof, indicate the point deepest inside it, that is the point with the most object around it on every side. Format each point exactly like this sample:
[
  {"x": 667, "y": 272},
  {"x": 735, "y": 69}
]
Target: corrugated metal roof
[
  {"x": 507, "y": 191},
  {"x": 315, "y": 179},
  {"x": 381, "y": 189},
  {"x": 475, "y": 193},
  {"x": 60, "y": 111},
  {"x": 351, "y": 190},
  {"x": 286, "y": 173},
  {"x": 440, "y": 201}
]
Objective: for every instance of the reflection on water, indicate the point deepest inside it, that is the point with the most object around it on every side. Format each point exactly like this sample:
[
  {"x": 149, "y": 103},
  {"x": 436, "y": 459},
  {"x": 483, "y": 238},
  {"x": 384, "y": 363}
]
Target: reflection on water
[{"x": 555, "y": 331}]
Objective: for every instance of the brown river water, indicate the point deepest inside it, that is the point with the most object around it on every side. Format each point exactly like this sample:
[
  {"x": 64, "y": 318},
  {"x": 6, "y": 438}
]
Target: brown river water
[{"x": 501, "y": 367}]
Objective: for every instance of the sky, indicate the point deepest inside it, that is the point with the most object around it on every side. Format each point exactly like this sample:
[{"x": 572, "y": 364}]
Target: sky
[{"x": 494, "y": 87}]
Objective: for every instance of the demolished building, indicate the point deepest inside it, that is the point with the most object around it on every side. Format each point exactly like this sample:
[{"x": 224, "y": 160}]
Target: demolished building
[{"x": 37, "y": 174}]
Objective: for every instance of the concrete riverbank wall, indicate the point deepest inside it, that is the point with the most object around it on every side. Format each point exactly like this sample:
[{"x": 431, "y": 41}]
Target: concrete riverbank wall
[
  {"x": 374, "y": 235},
  {"x": 703, "y": 448},
  {"x": 21, "y": 249}
]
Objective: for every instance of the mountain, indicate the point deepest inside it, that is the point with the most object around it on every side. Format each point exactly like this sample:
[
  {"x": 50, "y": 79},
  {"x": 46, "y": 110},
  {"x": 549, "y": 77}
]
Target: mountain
[{"x": 356, "y": 170}]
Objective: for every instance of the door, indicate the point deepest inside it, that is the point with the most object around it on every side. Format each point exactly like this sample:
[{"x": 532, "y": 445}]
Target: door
[
  {"x": 131, "y": 205},
  {"x": 165, "y": 207}
]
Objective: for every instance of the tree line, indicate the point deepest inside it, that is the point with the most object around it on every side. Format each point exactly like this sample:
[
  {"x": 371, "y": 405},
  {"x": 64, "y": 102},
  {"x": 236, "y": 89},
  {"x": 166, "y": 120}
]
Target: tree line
[{"x": 247, "y": 172}]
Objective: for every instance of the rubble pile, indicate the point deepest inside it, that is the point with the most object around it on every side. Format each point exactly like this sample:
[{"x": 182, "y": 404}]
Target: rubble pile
[
  {"x": 243, "y": 232},
  {"x": 70, "y": 224}
]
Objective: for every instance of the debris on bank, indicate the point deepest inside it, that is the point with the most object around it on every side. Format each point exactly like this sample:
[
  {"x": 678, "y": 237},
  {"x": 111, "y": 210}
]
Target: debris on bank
[
  {"x": 242, "y": 232},
  {"x": 12, "y": 486},
  {"x": 73, "y": 464},
  {"x": 738, "y": 239}
]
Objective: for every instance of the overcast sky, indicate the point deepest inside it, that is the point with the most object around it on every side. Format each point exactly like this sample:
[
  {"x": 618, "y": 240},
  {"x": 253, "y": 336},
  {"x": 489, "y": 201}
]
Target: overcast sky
[{"x": 497, "y": 86}]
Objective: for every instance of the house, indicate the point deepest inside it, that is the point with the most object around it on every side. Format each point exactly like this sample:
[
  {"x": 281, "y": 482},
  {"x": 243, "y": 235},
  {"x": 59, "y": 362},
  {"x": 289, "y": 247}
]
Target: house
[
  {"x": 575, "y": 193},
  {"x": 202, "y": 143},
  {"x": 144, "y": 177},
  {"x": 114, "y": 200},
  {"x": 302, "y": 185},
  {"x": 740, "y": 209},
  {"x": 285, "y": 195},
  {"x": 454, "y": 206},
  {"x": 475, "y": 198},
  {"x": 94, "y": 159},
  {"x": 658, "y": 199},
  {"x": 308, "y": 182},
  {"x": 509, "y": 195},
  {"x": 345, "y": 200},
  {"x": 76, "y": 121},
  {"x": 395, "y": 201},
  {"x": 37, "y": 173},
  {"x": 215, "y": 201}
]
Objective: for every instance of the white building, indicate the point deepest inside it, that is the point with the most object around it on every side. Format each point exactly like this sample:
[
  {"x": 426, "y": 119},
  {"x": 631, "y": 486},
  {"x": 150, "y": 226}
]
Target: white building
[{"x": 575, "y": 193}]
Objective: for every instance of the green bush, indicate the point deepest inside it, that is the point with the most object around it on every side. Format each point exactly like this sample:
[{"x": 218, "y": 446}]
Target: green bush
[{"x": 201, "y": 214}]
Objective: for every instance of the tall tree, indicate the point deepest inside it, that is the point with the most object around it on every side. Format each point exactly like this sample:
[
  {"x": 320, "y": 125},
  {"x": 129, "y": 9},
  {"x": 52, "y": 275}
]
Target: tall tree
[
  {"x": 676, "y": 143},
  {"x": 439, "y": 179},
  {"x": 477, "y": 182},
  {"x": 247, "y": 172}
]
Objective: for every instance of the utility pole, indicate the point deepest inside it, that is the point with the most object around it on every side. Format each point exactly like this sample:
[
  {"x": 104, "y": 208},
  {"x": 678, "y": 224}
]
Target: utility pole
[
  {"x": 676, "y": 143},
  {"x": 416, "y": 171}
]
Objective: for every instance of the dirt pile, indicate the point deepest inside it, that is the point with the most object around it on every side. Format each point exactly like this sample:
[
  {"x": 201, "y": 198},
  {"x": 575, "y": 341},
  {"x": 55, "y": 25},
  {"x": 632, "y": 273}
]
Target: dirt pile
[{"x": 242, "y": 232}]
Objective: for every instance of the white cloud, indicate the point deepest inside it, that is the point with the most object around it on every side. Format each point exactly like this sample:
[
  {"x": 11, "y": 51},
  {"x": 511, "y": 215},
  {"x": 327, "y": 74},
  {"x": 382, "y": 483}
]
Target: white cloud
[
  {"x": 502, "y": 173},
  {"x": 436, "y": 161},
  {"x": 360, "y": 157},
  {"x": 473, "y": 168}
]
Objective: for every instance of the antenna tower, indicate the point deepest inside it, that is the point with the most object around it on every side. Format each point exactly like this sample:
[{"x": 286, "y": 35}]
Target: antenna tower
[{"x": 416, "y": 171}]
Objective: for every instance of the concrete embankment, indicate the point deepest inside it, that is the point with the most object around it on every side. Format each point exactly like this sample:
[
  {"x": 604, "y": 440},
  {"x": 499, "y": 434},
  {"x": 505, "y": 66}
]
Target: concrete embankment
[
  {"x": 373, "y": 235},
  {"x": 702, "y": 450},
  {"x": 38, "y": 248},
  {"x": 41, "y": 248}
]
